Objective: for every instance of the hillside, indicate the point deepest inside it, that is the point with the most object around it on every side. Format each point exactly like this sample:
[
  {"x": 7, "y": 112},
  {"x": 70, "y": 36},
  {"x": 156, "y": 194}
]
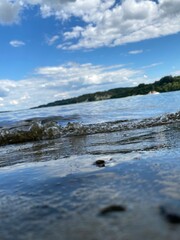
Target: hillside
[{"x": 165, "y": 84}]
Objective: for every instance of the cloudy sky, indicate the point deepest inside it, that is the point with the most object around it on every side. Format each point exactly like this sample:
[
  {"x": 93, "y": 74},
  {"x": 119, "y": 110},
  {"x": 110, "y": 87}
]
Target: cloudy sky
[{"x": 55, "y": 49}]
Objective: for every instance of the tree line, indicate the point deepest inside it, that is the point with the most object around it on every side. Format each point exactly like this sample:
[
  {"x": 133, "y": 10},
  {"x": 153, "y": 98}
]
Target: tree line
[{"x": 165, "y": 84}]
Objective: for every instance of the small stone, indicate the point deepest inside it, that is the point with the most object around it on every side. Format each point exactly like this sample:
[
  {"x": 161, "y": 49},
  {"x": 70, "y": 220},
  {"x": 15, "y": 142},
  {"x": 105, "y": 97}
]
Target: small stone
[
  {"x": 113, "y": 208},
  {"x": 100, "y": 163},
  {"x": 171, "y": 217}
]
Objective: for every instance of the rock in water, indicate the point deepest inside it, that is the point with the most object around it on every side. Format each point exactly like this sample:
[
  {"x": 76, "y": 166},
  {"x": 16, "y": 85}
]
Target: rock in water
[
  {"x": 170, "y": 216},
  {"x": 100, "y": 163},
  {"x": 112, "y": 208}
]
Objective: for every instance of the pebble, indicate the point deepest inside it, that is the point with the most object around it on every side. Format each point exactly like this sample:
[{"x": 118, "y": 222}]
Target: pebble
[
  {"x": 170, "y": 216},
  {"x": 100, "y": 163},
  {"x": 112, "y": 208}
]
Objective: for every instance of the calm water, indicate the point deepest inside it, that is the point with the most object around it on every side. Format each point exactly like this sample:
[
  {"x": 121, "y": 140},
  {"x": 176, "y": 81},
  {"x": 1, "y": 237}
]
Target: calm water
[
  {"x": 137, "y": 107},
  {"x": 50, "y": 185},
  {"x": 127, "y": 125}
]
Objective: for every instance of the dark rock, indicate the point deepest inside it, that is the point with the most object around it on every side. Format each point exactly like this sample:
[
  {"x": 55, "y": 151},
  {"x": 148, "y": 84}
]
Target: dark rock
[
  {"x": 100, "y": 163},
  {"x": 112, "y": 208},
  {"x": 170, "y": 216}
]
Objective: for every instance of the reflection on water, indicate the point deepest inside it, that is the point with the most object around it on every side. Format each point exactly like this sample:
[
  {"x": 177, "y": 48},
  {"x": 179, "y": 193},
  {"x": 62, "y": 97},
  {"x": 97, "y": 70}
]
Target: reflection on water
[
  {"x": 51, "y": 188},
  {"x": 122, "y": 142},
  {"x": 169, "y": 178},
  {"x": 56, "y": 192}
]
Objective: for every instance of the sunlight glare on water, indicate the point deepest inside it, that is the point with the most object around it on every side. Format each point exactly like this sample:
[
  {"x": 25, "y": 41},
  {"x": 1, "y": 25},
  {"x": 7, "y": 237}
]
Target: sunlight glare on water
[{"x": 136, "y": 107}]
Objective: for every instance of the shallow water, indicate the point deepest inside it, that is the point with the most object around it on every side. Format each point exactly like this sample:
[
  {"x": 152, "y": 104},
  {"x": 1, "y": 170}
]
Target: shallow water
[
  {"x": 51, "y": 188},
  {"x": 89, "y": 118},
  {"x": 65, "y": 197}
]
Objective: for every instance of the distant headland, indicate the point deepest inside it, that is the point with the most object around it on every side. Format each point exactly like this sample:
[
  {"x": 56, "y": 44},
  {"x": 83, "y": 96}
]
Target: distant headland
[{"x": 165, "y": 84}]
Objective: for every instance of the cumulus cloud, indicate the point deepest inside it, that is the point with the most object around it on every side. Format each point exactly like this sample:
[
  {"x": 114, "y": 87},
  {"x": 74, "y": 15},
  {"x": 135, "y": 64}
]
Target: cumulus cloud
[
  {"x": 3, "y": 93},
  {"x": 104, "y": 22},
  {"x": 170, "y": 6},
  {"x": 16, "y": 43},
  {"x": 128, "y": 22},
  {"x": 64, "y": 81},
  {"x": 88, "y": 74},
  {"x": 9, "y": 11}
]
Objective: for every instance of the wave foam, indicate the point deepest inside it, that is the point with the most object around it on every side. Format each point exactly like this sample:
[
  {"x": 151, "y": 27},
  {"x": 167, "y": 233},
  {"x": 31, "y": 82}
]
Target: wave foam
[{"x": 41, "y": 130}]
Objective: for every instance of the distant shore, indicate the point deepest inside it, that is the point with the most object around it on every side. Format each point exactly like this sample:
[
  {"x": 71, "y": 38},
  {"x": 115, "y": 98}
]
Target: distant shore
[{"x": 165, "y": 84}]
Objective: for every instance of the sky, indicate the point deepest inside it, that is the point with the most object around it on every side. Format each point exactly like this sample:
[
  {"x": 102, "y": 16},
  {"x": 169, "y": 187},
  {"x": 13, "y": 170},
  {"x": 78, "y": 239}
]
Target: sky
[{"x": 56, "y": 49}]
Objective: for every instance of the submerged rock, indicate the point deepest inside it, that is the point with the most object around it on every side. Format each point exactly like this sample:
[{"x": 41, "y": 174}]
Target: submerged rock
[
  {"x": 170, "y": 215},
  {"x": 112, "y": 208},
  {"x": 100, "y": 163}
]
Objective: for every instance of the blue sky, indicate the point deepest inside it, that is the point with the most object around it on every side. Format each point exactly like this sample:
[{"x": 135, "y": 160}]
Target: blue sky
[{"x": 50, "y": 50}]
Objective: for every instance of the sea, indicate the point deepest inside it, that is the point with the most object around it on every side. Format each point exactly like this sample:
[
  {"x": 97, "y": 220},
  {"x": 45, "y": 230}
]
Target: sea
[{"x": 50, "y": 173}]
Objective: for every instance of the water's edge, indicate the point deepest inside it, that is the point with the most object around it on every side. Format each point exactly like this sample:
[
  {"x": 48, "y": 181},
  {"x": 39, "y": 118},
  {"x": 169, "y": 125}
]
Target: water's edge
[{"x": 43, "y": 129}]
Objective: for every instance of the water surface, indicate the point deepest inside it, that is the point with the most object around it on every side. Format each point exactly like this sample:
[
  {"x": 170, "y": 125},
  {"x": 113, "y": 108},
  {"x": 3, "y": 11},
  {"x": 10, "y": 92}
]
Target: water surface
[{"x": 51, "y": 188}]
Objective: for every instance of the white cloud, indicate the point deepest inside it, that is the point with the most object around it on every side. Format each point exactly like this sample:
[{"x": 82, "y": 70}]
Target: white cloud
[
  {"x": 16, "y": 43},
  {"x": 104, "y": 22},
  {"x": 9, "y": 12},
  {"x": 132, "y": 21},
  {"x": 152, "y": 65},
  {"x": 134, "y": 52},
  {"x": 87, "y": 74},
  {"x": 52, "y": 40},
  {"x": 176, "y": 73},
  {"x": 3, "y": 92},
  {"x": 64, "y": 81},
  {"x": 14, "y": 102},
  {"x": 145, "y": 76},
  {"x": 170, "y": 6}
]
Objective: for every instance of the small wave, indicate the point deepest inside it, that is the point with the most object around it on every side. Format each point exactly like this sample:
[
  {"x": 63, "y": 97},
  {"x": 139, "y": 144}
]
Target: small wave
[{"x": 43, "y": 130}]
